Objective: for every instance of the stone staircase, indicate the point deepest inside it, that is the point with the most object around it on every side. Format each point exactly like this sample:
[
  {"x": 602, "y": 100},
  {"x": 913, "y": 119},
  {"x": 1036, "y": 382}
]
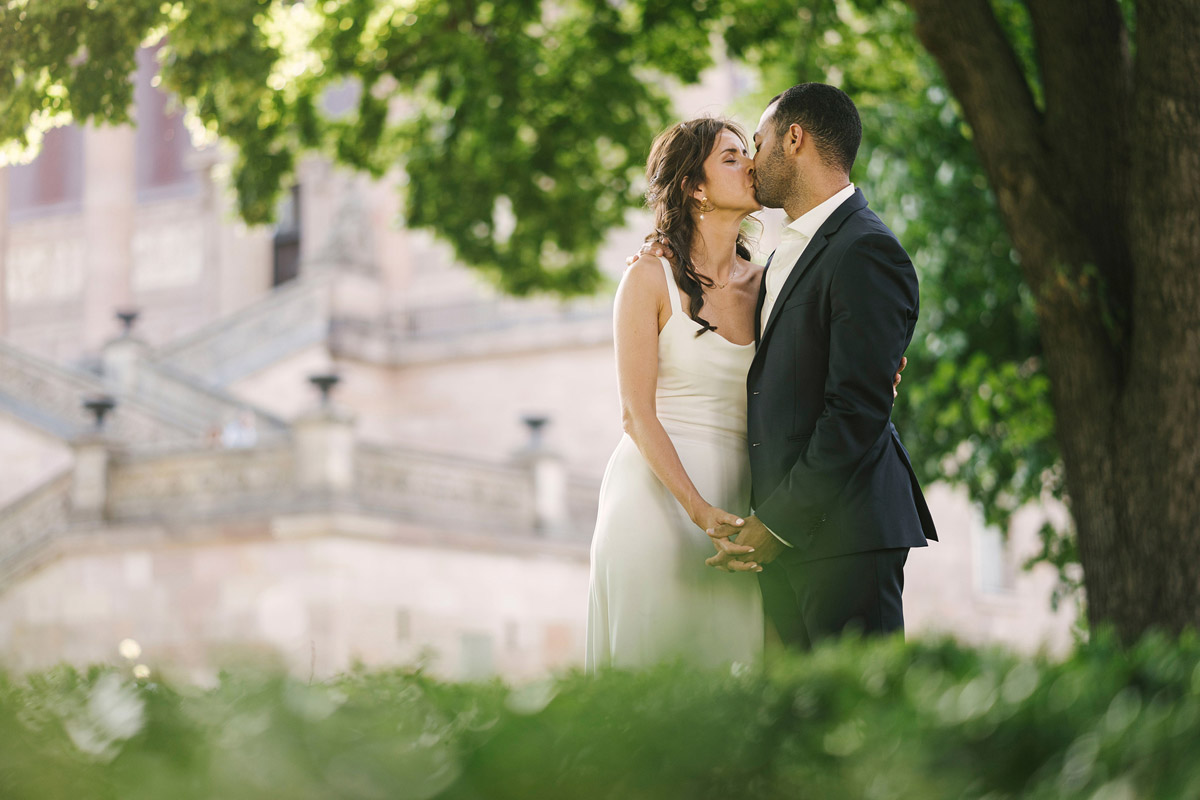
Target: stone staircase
[
  {"x": 169, "y": 390},
  {"x": 325, "y": 306},
  {"x": 50, "y": 397},
  {"x": 29, "y": 525},
  {"x": 294, "y": 316},
  {"x": 160, "y": 469}
]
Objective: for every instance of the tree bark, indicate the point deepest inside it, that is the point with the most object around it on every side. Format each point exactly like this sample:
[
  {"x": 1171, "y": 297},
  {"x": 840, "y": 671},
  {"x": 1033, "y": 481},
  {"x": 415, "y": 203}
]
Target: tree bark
[
  {"x": 1161, "y": 404},
  {"x": 1100, "y": 192}
]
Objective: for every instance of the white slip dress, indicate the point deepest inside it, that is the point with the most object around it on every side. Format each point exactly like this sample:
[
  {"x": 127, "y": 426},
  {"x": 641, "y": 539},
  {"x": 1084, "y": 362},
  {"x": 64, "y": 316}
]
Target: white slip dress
[{"x": 652, "y": 598}]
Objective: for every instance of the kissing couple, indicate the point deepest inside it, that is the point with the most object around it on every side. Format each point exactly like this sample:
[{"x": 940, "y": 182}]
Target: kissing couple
[{"x": 759, "y": 473}]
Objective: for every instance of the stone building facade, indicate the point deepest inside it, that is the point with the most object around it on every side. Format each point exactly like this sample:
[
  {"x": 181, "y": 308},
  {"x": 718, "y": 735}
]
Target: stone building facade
[{"x": 435, "y": 504}]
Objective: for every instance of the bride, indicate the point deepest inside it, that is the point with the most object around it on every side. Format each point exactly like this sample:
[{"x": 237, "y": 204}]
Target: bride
[{"x": 684, "y": 342}]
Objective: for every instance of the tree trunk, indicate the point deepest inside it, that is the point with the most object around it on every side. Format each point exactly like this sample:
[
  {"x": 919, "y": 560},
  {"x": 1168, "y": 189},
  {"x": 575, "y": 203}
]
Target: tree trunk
[
  {"x": 1160, "y": 407},
  {"x": 1100, "y": 191}
]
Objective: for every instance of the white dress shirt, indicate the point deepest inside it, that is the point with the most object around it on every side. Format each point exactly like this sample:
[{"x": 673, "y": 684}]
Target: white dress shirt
[
  {"x": 795, "y": 239},
  {"x": 792, "y": 243}
]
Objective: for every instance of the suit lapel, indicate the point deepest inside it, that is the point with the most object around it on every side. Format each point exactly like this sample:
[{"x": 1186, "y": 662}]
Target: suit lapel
[{"x": 854, "y": 203}]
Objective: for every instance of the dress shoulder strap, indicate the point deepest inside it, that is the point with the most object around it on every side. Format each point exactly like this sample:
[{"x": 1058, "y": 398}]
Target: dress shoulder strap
[{"x": 672, "y": 287}]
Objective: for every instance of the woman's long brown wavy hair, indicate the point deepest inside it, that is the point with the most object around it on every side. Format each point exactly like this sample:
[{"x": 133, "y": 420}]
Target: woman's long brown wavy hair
[{"x": 675, "y": 168}]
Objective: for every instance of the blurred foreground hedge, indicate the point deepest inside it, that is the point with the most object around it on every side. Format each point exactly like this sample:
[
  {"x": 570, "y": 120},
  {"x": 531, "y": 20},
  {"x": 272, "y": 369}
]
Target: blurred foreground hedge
[{"x": 882, "y": 720}]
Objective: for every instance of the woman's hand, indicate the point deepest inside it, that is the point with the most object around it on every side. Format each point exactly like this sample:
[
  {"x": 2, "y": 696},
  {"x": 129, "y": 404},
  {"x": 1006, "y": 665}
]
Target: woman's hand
[
  {"x": 896, "y": 382},
  {"x": 710, "y": 517},
  {"x": 655, "y": 246}
]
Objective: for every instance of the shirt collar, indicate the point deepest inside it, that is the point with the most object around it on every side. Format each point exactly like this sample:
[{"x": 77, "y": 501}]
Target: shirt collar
[{"x": 807, "y": 223}]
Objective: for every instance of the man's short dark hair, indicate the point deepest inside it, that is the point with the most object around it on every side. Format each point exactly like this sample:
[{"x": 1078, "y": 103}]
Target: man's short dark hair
[{"x": 827, "y": 114}]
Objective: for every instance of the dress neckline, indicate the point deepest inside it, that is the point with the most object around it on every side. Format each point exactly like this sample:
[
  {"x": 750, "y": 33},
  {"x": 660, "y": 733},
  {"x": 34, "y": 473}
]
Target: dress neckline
[
  {"x": 675, "y": 296},
  {"x": 710, "y": 330}
]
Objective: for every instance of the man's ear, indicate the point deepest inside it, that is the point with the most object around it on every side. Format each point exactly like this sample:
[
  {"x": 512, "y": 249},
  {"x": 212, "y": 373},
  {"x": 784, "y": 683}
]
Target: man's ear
[{"x": 794, "y": 140}]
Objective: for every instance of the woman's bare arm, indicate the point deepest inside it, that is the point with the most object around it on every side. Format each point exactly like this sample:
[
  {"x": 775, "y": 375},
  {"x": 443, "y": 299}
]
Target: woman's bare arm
[{"x": 641, "y": 303}]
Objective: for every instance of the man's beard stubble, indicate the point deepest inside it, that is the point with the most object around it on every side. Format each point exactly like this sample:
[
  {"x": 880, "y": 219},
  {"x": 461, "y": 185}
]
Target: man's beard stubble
[{"x": 772, "y": 182}]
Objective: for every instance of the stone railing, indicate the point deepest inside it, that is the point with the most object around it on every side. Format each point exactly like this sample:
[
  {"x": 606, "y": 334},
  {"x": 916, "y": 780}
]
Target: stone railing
[
  {"x": 413, "y": 486},
  {"x": 472, "y": 330},
  {"x": 492, "y": 315},
  {"x": 170, "y": 390},
  {"x": 433, "y": 488},
  {"x": 28, "y": 524},
  {"x": 291, "y": 318},
  {"x": 50, "y": 397},
  {"x": 583, "y": 502},
  {"x": 154, "y": 486},
  {"x": 286, "y": 475}
]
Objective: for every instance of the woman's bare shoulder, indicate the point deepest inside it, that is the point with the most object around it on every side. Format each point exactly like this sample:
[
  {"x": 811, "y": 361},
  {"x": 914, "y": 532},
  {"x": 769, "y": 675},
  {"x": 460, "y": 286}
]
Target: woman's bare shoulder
[
  {"x": 645, "y": 274},
  {"x": 643, "y": 283}
]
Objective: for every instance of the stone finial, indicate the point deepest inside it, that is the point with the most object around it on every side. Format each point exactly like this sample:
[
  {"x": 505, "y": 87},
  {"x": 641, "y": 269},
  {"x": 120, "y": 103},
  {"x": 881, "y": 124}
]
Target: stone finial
[
  {"x": 99, "y": 405},
  {"x": 127, "y": 316},
  {"x": 535, "y": 423},
  {"x": 325, "y": 383},
  {"x": 89, "y": 480}
]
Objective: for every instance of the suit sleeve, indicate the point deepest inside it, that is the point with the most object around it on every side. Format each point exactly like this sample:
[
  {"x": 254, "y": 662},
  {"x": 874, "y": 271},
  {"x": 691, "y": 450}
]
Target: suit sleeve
[{"x": 873, "y": 308}]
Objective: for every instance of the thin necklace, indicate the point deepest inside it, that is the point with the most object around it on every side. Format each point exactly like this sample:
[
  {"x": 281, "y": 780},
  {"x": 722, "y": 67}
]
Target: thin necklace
[{"x": 732, "y": 275}]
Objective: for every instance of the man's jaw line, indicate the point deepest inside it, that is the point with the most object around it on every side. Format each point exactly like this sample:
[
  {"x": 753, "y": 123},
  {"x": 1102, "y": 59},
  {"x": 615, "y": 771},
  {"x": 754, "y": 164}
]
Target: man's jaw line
[{"x": 759, "y": 200}]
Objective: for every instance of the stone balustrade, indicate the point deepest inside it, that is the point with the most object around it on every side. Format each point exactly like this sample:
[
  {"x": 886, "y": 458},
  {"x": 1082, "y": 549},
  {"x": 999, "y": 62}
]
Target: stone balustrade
[
  {"x": 434, "y": 488},
  {"x": 294, "y": 316},
  {"x": 50, "y": 396},
  {"x": 28, "y": 524},
  {"x": 583, "y": 504},
  {"x": 414, "y": 486},
  {"x": 182, "y": 487},
  {"x": 201, "y": 484},
  {"x": 166, "y": 388},
  {"x": 490, "y": 315}
]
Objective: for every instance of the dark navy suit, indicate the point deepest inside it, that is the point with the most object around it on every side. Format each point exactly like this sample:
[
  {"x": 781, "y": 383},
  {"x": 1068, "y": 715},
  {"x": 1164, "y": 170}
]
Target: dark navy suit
[{"x": 829, "y": 473}]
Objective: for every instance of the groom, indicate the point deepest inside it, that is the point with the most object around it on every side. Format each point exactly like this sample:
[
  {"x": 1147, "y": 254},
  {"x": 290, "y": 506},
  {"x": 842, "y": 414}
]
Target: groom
[{"x": 836, "y": 503}]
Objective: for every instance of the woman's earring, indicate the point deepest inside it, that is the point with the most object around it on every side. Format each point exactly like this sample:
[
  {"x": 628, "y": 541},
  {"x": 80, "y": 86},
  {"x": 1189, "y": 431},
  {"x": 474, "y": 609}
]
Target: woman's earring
[{"x": 705, "y": 206}]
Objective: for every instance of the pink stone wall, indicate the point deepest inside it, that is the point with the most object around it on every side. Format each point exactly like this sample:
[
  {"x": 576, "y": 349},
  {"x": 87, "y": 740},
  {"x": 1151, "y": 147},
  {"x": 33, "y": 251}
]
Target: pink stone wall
[{"x": 315, "y": 605}]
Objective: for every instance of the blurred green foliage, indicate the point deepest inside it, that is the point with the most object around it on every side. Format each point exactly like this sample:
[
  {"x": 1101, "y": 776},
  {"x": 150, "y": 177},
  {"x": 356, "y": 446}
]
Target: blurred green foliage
[
  {"x": 522, "y": 127},
  {"x": 881, "y": 720}
]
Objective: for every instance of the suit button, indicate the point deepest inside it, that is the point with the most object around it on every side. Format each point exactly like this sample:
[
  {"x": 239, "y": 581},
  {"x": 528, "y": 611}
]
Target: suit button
[
  {"x": 755, "y": 444},
  {"x": 754, "y": 393}
]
